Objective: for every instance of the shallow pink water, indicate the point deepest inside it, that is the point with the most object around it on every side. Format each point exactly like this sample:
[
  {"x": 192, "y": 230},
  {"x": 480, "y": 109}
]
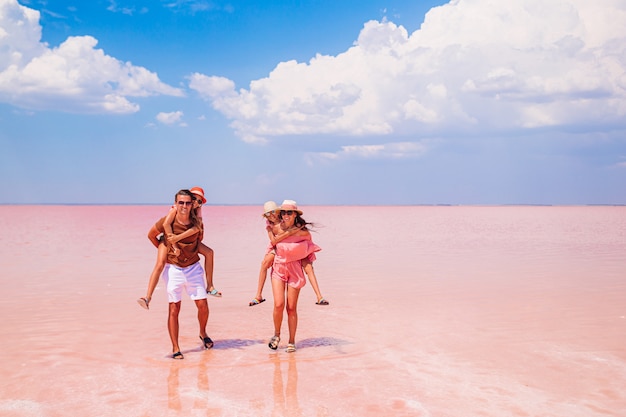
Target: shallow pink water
[{"x": 435, "y": 311}]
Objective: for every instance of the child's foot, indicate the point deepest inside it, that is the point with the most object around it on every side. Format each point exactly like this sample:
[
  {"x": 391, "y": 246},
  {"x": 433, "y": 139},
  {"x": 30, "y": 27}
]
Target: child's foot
[
  {"x": 144, "y": 302},
  {"x": 322, "y": 302},
  {"x": 256, "y": 301},
  {"x": 214, "y": 293}
]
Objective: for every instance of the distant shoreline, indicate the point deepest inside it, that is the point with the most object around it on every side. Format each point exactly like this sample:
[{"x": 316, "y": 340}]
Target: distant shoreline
[{"x": 327, "y": 205}]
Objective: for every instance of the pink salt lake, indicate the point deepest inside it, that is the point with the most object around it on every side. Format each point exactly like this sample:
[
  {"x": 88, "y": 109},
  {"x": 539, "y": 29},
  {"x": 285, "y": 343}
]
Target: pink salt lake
[{"x": 434, "y": 311}]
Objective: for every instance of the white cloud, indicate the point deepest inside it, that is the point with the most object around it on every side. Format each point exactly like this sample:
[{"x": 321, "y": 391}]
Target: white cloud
[
  {"x": 171, "y": 118},
  {"x": 194, "y": 6},
  {"x": 75, "y": 76},
  {"x": 115, "y": 8},
  {"x": 484, "y": 65},
  {"x": 394, "y": 150}
]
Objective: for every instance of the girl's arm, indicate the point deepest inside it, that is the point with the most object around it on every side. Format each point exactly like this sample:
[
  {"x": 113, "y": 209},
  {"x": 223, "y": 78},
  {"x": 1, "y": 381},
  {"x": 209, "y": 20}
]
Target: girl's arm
[
  {"x": 186, "y": 233},
  {"x": 169, "y": 233},
  {"x": 167, "y": 223},
  {"x": 304, "y": 233},
  {"x": 274, "y": 239}
]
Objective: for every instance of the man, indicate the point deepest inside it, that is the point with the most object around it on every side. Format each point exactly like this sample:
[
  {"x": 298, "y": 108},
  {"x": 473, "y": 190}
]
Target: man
[{"x": 183, "y": 271}]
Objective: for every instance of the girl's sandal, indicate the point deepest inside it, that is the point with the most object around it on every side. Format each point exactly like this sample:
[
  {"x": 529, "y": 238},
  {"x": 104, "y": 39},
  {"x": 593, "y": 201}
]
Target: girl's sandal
[
  {"x": 256, "y": 301},
  {"x": 214, "y": 293},
  {"x": 144, "y": 302},
  {"x": 322, "y": 302}
]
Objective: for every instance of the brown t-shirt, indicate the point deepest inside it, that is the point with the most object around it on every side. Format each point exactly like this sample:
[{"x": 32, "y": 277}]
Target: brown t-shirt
[{"x": 188, "y": 246}]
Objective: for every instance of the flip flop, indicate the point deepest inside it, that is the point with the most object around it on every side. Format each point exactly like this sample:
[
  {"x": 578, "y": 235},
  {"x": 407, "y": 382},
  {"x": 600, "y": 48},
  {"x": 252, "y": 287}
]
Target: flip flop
[
  {"x": 178, "y": 355},
  {"x": 290, "y": 348},
  {"x": 143, "y": 302},
  {"x": 215, "y": 293},
  {"x": 256, "y": 301},
  {"x": 322, "y": 302},
  {"x": 208, "y": 343}
]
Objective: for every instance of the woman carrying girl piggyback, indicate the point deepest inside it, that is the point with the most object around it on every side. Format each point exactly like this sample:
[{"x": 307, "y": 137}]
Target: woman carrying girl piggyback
[
  {"x": 287, "y": 273},
  {"x": 273, "y": 222}
]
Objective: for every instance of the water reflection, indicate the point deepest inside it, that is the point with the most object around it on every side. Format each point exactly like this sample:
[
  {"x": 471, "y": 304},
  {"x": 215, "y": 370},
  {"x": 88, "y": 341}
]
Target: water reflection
[
  {"x": 200, "y": 396},
  {"x": 173, "y": 383},
  {"x": 285, "y": 396}
]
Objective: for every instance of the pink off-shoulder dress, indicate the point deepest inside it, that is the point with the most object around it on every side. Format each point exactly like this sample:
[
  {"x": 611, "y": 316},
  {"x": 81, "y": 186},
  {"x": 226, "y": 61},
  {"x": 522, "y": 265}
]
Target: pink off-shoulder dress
[{"x": 287, "y": 265}]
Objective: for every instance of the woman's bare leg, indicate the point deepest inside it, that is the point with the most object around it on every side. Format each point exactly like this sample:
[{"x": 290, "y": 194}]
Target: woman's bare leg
[
  {"x": 292, "y": 312},
  {"x": 278, "y": 290}
]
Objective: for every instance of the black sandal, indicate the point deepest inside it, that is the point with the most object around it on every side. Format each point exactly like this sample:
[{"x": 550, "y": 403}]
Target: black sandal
[
  {"x": 208, "y": 343},
  {"x": 178, "y": 355}
]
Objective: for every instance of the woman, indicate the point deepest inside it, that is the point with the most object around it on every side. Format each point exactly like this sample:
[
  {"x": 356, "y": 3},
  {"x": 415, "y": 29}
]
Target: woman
[
  {"x": 287, "y": 274},
  {"x": 271, "y": 213}
]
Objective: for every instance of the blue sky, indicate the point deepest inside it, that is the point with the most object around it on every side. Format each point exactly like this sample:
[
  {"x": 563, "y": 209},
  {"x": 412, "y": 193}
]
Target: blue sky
[{"x": 325, "y": 102}]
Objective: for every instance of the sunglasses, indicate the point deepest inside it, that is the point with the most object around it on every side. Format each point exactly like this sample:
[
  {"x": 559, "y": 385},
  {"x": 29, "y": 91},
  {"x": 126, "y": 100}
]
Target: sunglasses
[
  {"x": 287, "y": 212},
  {"x": 269, "y": 213},
  {"x": 185, "y": 203}
]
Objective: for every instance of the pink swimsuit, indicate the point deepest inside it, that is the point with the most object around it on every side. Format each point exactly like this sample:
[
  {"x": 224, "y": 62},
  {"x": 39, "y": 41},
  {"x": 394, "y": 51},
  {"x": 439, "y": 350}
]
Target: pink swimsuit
[{"x": 287, "y": 265}]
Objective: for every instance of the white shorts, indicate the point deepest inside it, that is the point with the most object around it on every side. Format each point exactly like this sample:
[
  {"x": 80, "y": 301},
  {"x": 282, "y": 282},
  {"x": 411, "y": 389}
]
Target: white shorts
[{"x": 191, "y": 278}]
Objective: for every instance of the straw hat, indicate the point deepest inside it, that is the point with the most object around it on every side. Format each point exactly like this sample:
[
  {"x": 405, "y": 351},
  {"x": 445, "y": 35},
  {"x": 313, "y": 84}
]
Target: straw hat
[
  {"x": 269, "y": 206},
  {"x": 199, "y": 192},
  {"x": 290, "y": 205}
]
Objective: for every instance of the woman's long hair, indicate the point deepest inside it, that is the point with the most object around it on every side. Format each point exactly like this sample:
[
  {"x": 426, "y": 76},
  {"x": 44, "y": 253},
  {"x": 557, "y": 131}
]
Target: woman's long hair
[{"x": 301, "y": 223}]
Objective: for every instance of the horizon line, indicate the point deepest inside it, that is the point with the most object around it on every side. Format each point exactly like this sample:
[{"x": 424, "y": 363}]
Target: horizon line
[{"x": 337, "y": 205}]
